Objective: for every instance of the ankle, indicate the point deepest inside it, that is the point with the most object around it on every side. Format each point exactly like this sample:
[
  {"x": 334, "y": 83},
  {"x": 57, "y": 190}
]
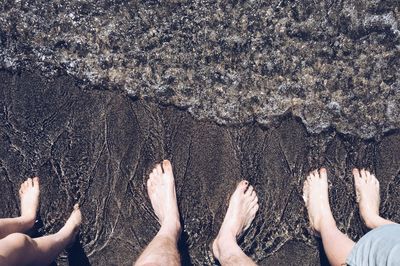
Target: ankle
[
  {"x": 225, "y": 246},
  {"x": 327, "y": 225},
  {"x": 171, "y": 229},
  {"x": 374, "y": 221},
  {"x": 66, "y": 235},
  {"x": 371, "y": 221},
  {"x": 26, "y": 222}
]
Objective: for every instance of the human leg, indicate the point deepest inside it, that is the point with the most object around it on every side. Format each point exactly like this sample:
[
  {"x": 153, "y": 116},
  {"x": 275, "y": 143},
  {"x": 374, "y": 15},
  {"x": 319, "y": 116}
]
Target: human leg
[
  {"x": 242, "y": 209},
  {"x": 337, "y": 245},
  {"x": 162, "y": 250},
  {"x": 367, "y": 192},
  {"x": 20, "y": 249},
  {"x": 29, "y": 196}
]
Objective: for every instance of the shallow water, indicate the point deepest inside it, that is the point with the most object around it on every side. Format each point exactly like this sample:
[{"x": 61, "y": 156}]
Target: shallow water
[
  {"x": 98, "y": 147},
  {"x": 331, "y": 63}
]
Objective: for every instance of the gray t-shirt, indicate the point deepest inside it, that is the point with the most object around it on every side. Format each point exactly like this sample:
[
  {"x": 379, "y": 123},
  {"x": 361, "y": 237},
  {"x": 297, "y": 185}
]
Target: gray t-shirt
[{"x": 380, "y": 246}]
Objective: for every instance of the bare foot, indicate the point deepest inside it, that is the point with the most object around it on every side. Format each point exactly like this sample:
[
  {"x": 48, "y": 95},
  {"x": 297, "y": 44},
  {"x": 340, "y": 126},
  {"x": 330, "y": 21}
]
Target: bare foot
[
  {"x": 242, "y": 209},
  {"x": 162, "y": 193},
  {"x": 315, "y": 195},
  {"x": 29, "y": 195},
  {"x": 367, "y": 196},
  {"x": 72, "y": 225}
]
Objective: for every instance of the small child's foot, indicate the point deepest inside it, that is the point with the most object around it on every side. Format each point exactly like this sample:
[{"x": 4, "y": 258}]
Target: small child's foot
[
  {"x": 315, "y": 195},
  {"x": 29, "y": 195},
  {"x": 242, "y": 209},
  {"x": 367, "y": 196}
]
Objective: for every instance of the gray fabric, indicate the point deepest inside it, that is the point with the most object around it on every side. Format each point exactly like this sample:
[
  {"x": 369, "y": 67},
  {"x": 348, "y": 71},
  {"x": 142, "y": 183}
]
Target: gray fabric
[{"x": 380, "y": 246}]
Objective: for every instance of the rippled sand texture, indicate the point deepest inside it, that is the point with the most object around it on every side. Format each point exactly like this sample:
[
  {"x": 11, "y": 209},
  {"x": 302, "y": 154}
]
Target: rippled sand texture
[
  {"x": 331, "y": 63},
  {"x": 97, "y": 148}
]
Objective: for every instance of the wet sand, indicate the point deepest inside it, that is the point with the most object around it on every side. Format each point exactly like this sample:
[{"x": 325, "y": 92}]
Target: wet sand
[{"x": 96, "y": 148}]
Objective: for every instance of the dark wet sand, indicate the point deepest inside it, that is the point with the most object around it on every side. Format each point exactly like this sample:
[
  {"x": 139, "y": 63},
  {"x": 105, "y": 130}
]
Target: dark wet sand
[{"x": 96, "y": 148}]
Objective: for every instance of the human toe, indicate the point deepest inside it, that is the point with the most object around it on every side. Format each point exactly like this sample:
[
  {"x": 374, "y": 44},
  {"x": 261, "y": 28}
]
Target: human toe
[
  {"x": 35, "y": 182},
  {"x": 158, "y": 169},
  {"x": 167, "y": 166},
  {"x": 254, "y": 209},
  {"x": 310, "y": 176},
  {"x": 375, "y": 180},
  {"x": 363, "y": 175},
  {"x": 152, "y": 175},
  {"x": 29, "y": 182},
  {"x": 249, "y": 190},
  {"x": 305, "y": 190},
  {"x": 76, "y": 212},
  {"x": 356, "y": 174},
  {"x": 24, "y": 186},
  {"x": 242, "y": 185},
  {"x": 254, "y": 201},
  {"x": 315, "y": 173},
  {"x": 371, "y": 177},
  {"x": 323, "y": 174},
  {"x": 149, "y": 182},
  {"x": 253, "y": 194}
]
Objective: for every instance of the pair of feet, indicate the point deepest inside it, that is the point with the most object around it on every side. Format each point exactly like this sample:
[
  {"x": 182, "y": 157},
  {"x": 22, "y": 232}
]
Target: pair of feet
[
  {"x": 243, "y": 206},
  {"x": 29, "y": 193},
  {"x": 315, "y": 195}
]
